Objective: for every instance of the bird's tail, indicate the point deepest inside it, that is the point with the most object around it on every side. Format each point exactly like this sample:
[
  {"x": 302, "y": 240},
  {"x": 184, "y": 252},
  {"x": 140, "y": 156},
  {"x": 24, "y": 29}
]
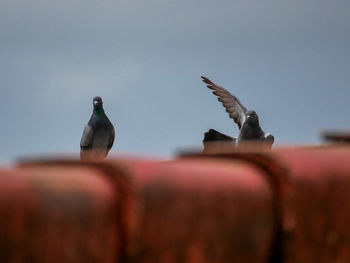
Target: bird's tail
[{"x": 213, "y": 136}]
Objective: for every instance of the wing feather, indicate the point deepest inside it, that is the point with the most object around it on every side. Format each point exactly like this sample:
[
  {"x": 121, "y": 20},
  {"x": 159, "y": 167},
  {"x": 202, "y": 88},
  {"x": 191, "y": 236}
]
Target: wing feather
[
  {"x": 86, "y": 139},
  {"x": 111, "y": 138},
  {"x": 231, "y": 103}
]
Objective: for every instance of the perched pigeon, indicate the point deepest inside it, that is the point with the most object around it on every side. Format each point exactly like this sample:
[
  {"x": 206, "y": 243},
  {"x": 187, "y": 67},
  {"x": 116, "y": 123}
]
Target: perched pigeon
[
  {"x": 98, "y": 134},
  {"x": 247, "y": 120}
]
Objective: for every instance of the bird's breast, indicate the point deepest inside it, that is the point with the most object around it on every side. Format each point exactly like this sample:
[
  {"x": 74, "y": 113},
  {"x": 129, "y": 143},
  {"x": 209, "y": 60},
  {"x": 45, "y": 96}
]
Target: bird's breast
[
  {"x": 100, "y": 139},
  {"x": 249, "y": 132}
]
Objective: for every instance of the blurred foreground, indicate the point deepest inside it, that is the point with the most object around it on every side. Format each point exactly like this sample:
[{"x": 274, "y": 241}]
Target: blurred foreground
[{"x": 223, "y": 205}]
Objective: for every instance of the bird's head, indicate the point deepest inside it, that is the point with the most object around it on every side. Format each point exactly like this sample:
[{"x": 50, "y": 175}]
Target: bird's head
[
  {"x": 97, "y": 101},
  {"x": 252, "y": 117}
]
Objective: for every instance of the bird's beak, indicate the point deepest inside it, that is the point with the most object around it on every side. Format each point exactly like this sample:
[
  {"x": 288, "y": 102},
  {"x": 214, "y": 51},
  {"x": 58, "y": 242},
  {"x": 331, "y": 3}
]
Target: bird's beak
[{"x": 95, "y": 103}]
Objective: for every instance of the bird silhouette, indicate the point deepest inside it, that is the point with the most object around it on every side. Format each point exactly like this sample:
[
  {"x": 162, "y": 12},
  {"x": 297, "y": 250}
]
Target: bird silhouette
[
  {"x": 98, "y": 135},
  {"x": 247, "y": 120}
]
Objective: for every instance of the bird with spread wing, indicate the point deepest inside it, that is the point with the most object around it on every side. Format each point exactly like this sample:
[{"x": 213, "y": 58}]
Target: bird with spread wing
[{"x": 247, "y": 120}]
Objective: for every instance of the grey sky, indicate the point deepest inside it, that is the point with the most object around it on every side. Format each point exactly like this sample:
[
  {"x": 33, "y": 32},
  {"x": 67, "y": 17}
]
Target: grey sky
[{"x": 288, "y": 60}]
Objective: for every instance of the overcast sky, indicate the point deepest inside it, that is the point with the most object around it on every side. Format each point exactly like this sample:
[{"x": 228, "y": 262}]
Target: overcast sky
[{"x": 288, "y": 60}]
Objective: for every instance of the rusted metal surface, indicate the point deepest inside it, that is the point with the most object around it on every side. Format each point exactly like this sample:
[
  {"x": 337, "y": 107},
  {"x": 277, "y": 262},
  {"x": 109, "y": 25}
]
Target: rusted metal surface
[
  {"x": 118, "y": 173},
  {"x": 244, "y": 205},
  {"x": 314, "y": 200},
  {"x": 319, "y": 207},
  {"x": 220, "y": 147},
  {"x": 200, "y": 211},
  {"x": 276, "y": 173},
  {"x": 190, "y": 210},
  {"x": 57, "y": 215}
]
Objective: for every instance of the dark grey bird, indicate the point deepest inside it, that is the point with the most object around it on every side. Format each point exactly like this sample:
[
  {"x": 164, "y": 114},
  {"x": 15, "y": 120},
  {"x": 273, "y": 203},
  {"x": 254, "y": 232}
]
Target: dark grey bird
[
  {"x": 98, "y": 135},
  {"x": 247, "y": 120}
]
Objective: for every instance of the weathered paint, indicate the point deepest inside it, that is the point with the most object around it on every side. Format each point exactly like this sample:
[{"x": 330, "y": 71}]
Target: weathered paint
[{"x": 57, "y": 215}]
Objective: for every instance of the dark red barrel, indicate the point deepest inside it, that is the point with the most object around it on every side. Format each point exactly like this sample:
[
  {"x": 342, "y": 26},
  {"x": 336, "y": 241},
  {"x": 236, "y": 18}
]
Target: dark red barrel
[
  {"x": 188, "y": 210},
  {"x": 312, "y": 191},
  {"x": 57, "y": 214},
  {"x": 318, "y": 210},
  {"x": 199, "y": 211}
]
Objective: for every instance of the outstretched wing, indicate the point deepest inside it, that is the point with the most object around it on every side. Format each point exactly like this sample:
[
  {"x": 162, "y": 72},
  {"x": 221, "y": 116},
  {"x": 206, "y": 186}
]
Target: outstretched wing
[
  {"x": 86, "y": 139},
  {"x": 231, "y": 103}
]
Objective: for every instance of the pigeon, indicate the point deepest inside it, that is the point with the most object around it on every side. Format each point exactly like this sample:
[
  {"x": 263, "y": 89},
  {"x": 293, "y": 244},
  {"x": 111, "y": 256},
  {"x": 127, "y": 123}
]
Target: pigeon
[
  {"x": 98, "y": 135},
  {"x": 247, "y": 120}
]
